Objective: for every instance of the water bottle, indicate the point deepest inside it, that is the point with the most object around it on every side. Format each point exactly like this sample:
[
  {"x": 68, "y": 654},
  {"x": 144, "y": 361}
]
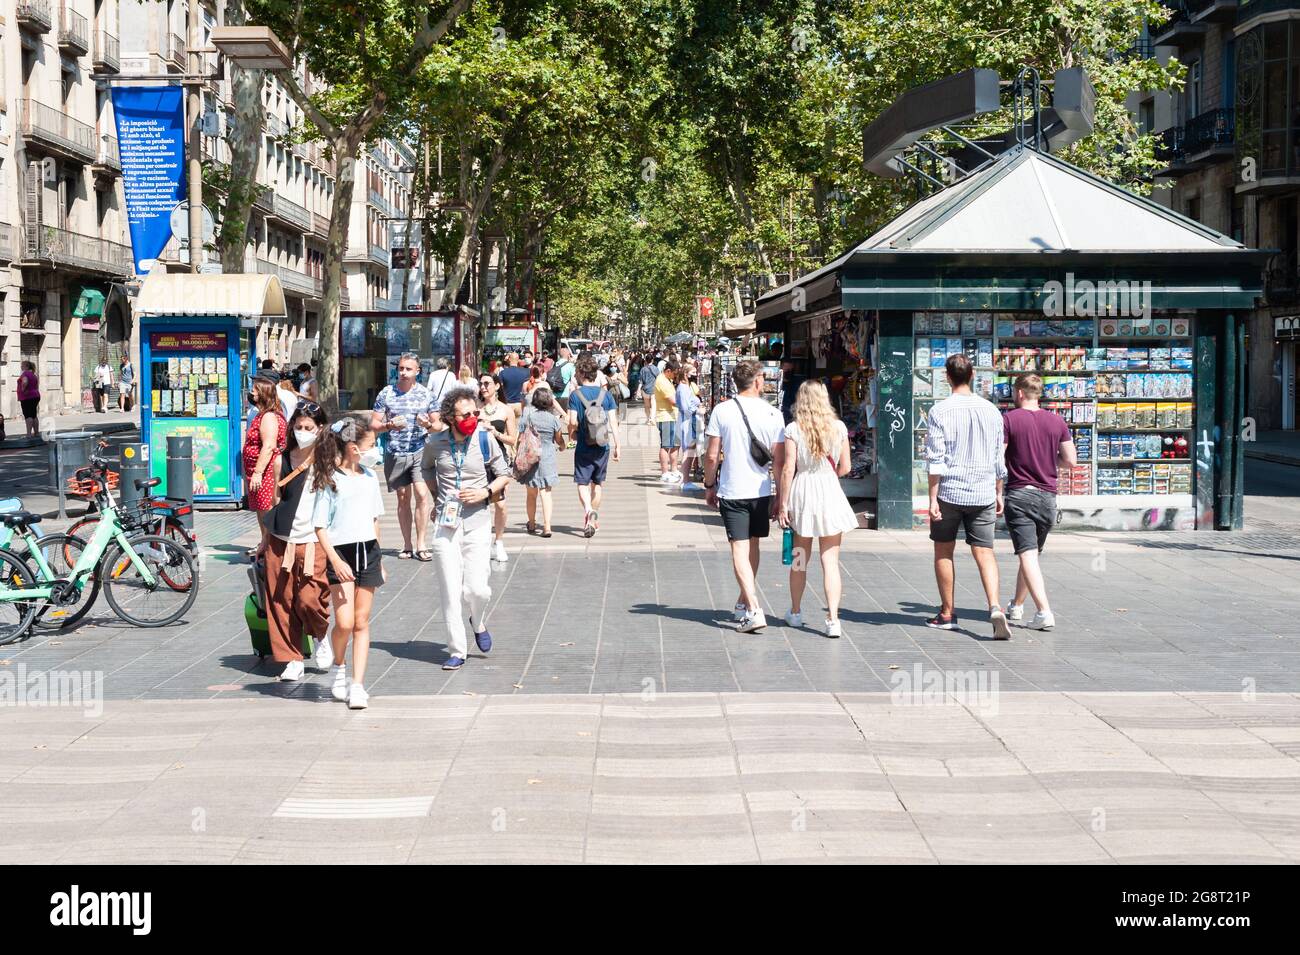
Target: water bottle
[{"x": 787, "y": 547}]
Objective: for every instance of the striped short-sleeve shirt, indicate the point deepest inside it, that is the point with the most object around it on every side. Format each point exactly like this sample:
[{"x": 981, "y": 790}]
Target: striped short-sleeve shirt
[{"x": 965, "y": 447}]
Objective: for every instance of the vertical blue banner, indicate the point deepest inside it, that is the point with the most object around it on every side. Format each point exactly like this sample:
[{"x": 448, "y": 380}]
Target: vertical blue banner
[{"x": 151, "y": 141}]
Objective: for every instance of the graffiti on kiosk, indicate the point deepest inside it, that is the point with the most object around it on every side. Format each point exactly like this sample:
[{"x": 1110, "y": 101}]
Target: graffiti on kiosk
[{"x": 897, "y": 419}]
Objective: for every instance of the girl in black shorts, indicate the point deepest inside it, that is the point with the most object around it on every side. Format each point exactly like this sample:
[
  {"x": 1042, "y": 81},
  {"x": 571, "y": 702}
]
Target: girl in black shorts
[{"x": 348, "y": 507}]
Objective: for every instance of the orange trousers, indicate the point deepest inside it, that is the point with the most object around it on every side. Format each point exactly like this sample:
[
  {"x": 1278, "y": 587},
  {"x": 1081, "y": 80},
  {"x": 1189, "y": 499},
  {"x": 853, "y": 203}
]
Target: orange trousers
[{"x": 297, "y": 598}]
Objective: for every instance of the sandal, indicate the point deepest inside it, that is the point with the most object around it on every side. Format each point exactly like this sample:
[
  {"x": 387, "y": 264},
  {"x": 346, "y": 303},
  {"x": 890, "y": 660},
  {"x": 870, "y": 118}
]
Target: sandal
[
  {"x": 404, "y": 555},
  {"x": 424, "y": 556},
  {"x": 532, "y": 527},
  {"x": 546, "y": 533}
]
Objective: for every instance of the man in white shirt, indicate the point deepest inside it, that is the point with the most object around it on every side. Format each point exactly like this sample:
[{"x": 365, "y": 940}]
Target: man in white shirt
[
  {"x": 964, "y": 453},
  {"x": 103, "y": 385},
  {"x": 743, "y": 490}
]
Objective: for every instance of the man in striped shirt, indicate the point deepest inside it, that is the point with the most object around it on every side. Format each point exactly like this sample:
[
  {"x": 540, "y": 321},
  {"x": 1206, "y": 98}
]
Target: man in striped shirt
[{"x": 964, "y": 453}]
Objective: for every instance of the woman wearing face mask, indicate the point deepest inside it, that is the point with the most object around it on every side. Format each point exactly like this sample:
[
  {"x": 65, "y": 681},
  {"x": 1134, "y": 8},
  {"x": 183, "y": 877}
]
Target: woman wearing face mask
[
  {"x": 501, "y": 417},
  {"x": 297, "y": 595},
  {"x": 465, "y": 465},
  {"x": 348, "y": 508}
]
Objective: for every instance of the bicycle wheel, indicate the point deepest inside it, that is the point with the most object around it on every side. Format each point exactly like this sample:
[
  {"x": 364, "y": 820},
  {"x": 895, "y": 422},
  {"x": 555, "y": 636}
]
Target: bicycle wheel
[
  {"x": 61, "y": 552},
  {"x": 172, "y": 593},
  {"x": 16, "y": 616}
]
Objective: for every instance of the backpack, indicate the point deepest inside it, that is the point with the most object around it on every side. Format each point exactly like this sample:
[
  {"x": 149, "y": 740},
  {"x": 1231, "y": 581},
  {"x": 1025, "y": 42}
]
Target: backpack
[
  {"x": 595, "y": 418},
  {"x": 527, "y": 452},
  {"x": 555, "y": 377}
]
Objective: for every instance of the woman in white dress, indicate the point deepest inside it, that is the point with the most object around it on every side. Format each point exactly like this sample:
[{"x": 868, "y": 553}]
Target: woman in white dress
[{"x": 812, "y": 503}]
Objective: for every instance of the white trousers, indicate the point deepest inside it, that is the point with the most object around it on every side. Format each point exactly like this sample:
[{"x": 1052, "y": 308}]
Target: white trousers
[{"x": 463, "y": 559}]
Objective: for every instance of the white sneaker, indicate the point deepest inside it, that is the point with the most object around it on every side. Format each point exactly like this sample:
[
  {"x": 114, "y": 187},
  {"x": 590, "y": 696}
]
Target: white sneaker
[
  {"x": 293, "y": 671},
  {"x": 666, "y": 477},
  {"x": 324, "y": 656},
  {"x": 833, "y": 629},
  {"x": 738, "y": 612},
  {"x": 793, "y": 619},
  {"x": 1042, "y": 621},
  {"x": 1015, "y": 612},
  {"x": 358, "y": 698},
  {"x": 499, "y": 552},
  {"x": 754, "y": 620},
  {"x": 340, "y": 688},
  {"x": 676, "y": 477}
]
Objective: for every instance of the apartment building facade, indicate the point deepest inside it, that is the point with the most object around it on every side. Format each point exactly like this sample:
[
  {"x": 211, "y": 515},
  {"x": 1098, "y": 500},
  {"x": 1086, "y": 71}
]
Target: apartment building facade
[
  {"x": 63, "y": 238},
  {"x": 65, "y": 256},
  {"x": 1230, "y": 142}
]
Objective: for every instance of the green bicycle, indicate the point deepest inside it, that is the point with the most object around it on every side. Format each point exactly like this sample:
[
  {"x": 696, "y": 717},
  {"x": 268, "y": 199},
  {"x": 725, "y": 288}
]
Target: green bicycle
[
  {"x": 49, "y": 558},
  {"x": 148, "y": 580}
]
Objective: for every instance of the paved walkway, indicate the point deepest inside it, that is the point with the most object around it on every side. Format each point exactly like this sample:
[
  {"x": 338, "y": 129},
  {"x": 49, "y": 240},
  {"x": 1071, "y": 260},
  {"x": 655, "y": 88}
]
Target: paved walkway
[
  {"x": 1078, "y": 778},
  {"x": 622, "y": 718}
]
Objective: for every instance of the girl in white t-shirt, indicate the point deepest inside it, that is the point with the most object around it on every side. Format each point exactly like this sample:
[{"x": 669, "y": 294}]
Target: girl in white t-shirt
[{"x": 348, "y": 507}]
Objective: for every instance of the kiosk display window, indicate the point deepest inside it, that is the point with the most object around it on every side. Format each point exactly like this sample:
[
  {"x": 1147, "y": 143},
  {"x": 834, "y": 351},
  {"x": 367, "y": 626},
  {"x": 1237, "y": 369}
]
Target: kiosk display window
[{"x": 1125, "y": 387}]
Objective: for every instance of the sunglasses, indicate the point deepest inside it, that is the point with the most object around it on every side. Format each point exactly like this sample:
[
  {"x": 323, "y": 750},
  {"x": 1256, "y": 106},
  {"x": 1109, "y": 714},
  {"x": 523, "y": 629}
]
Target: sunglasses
[
  {"x": 466, "y": 414},
  {"x": 485, "y": 382},
  {"x": 308, "y": 407}
]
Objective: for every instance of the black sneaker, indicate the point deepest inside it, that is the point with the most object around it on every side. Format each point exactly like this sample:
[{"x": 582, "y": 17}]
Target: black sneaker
[{"x": 940, "y": 622}]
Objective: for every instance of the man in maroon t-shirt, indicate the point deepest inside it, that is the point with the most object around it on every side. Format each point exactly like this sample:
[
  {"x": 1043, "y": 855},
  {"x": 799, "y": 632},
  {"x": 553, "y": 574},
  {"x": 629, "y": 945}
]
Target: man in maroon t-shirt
[{"x": 1038, "y": 442}]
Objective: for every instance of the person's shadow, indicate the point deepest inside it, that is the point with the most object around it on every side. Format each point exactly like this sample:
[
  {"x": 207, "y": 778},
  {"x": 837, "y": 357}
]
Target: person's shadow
[{"x": 693, "y": 614}]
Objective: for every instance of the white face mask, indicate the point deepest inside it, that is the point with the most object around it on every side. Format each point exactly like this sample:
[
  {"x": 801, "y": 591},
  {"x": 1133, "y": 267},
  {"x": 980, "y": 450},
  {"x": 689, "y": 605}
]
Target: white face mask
[
  {"x": 305, "y": 438},
  {"x": 372, "y": 457}
]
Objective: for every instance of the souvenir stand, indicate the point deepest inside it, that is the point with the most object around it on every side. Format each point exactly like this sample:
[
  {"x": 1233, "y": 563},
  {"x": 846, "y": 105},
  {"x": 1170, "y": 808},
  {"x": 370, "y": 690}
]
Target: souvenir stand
[{"x": 1131, "y": 313}]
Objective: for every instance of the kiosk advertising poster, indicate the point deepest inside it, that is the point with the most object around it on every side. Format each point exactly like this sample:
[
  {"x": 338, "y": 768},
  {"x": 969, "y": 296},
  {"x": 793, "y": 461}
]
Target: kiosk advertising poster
[{"x": 151, "y": 141}]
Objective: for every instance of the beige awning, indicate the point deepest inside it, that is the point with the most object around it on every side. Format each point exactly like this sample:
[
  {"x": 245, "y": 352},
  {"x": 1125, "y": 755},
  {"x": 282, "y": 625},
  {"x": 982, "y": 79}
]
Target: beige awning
[
  {"x": 183, "y": 293},
  {"x": 745, "y": 323}
]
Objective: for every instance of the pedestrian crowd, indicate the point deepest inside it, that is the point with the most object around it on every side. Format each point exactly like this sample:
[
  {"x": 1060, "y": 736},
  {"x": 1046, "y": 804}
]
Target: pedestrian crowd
[{"x": 450, "y": 449}]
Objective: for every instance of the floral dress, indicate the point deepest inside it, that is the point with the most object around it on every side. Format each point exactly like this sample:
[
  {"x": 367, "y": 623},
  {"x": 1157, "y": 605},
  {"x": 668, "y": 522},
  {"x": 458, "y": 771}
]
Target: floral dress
[{"x": 264, "y": 497}]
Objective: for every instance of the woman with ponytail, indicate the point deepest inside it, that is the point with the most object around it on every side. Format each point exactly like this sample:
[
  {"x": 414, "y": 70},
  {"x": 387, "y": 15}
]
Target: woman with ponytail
[
  {"x": 348, "y": 507},
  {"x": 813, "y": 504}
]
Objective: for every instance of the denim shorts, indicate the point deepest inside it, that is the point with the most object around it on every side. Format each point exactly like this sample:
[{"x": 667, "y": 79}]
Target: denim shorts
[{"x": 1030, "y": 513}]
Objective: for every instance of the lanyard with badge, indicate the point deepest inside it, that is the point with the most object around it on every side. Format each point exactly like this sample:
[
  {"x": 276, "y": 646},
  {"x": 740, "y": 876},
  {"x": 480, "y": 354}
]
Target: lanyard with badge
[{"x": 449, "y": 515}]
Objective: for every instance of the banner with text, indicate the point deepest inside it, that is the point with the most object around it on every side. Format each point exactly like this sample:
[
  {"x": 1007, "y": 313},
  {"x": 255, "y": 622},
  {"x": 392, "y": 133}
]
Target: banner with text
[{"x": 151, "y": 142}]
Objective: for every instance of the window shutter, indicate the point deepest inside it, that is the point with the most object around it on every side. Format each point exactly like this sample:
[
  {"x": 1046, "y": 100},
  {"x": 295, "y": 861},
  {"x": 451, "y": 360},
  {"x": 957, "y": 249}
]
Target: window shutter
[{"x": 32, "y": 212}]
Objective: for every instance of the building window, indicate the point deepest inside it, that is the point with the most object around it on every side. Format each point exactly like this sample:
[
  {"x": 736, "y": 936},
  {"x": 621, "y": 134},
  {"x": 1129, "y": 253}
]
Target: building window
[
  {"x": 1147, "y": 116},
  {"x": 1192, "y": 91},
  {"x": 1193, "y": 208}
]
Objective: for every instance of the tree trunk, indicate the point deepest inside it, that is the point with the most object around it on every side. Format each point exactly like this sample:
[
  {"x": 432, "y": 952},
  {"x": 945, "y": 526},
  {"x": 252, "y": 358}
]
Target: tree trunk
[
  {"x": 245, "y": 147},
  {"x": 469, "y": 240},
  {"x": 345, "y": 160}
]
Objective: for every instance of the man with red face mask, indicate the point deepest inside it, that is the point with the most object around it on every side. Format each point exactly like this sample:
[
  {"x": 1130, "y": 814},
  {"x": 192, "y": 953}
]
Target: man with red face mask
[{"x": 463, "y": 462}]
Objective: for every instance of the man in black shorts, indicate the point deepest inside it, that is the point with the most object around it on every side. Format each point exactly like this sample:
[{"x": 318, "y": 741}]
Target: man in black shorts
[
  {"x": 743, "y": 489},
  {"x": 591, "y": 461}
]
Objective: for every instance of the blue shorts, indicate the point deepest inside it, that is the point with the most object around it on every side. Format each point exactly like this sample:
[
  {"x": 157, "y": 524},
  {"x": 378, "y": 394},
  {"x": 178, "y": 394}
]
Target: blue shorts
[
  {"x": 668, "y": 435},
  {"x": 590, "y": 465}
]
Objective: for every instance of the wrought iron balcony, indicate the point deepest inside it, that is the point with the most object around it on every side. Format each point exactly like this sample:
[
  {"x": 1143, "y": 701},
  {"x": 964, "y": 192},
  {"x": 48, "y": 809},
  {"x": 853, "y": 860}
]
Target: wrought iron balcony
[
  {"x": 54, "y": 130},
  {"x": 107, "y": 58},
  {"x": 1282, "y": 281},
  {"x": 74, "y": 32},
  {"x": 46, "y": 245},
  {"x": 34, "y": 16},
  {"x": 1201, "y": 141},
  {"x": 1208, "y": 131}
]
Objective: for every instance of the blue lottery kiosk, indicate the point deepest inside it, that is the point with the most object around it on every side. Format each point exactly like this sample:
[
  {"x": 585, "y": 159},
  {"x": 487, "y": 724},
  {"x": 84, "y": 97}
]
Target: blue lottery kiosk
[{"x": 198, "y": 337}]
